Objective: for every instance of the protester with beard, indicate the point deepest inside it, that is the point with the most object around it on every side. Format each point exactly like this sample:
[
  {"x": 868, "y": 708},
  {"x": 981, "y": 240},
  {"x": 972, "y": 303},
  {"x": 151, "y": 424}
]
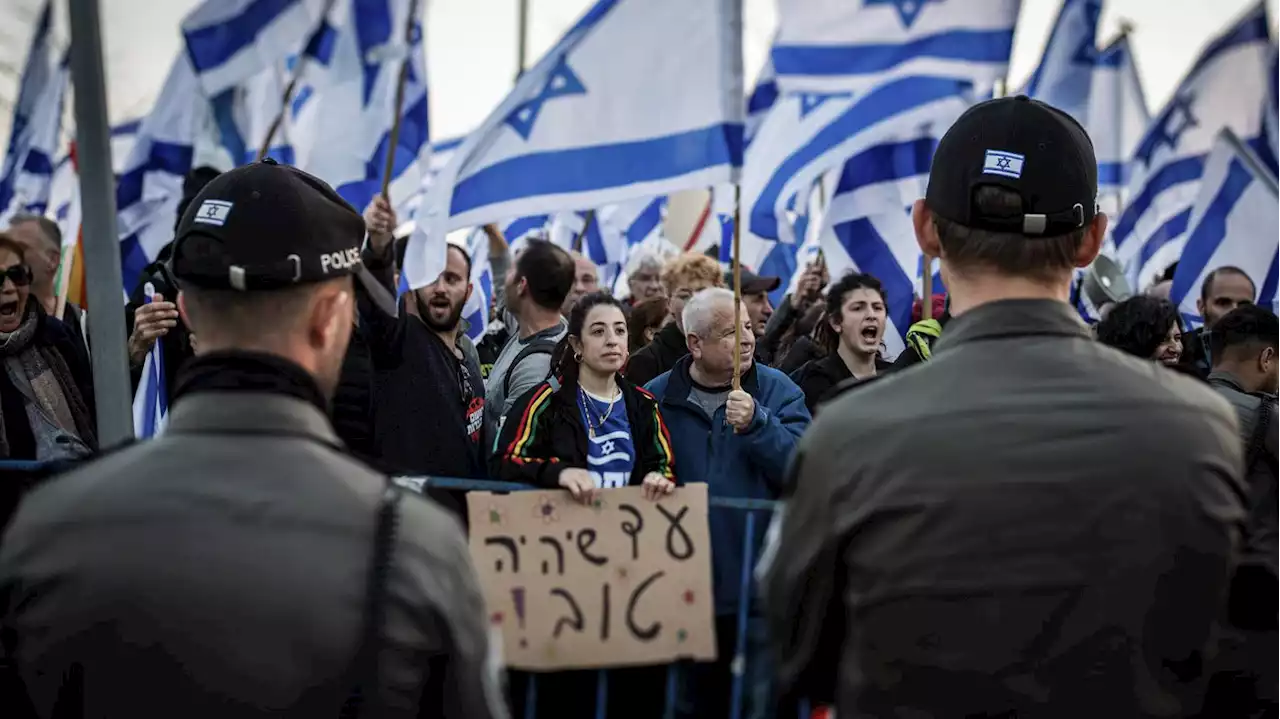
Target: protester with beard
[
  {"x": 46, "y": 386},
  {"x": 428, "y": 408},
  {"x": 1224, "y": 289},
  {"x": 1029, "y": 524},
  {"x": 1146, "y": 327},
  {"x": 241, "y": 565},
  {"x": 851, "y": 333}
]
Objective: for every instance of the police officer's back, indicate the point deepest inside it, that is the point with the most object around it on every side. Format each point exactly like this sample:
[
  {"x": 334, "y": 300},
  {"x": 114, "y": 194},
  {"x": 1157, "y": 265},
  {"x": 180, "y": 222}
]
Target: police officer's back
[
  {"x": 1030, "y": 524},
  {"x": 225, "y": 568}
]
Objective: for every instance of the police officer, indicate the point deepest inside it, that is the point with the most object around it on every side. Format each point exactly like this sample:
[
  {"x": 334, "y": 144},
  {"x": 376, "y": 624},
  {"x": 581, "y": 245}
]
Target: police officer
[
  {"x": 1030, "y": 524},
  {"x": 242, "y": 565}
]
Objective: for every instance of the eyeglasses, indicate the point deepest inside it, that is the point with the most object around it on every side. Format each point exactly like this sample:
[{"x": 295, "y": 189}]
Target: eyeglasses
[{"x": 20, "y": 274}]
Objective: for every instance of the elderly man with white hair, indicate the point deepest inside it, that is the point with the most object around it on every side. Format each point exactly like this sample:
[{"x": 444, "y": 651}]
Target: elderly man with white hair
[{"x": 739, "y": 443}]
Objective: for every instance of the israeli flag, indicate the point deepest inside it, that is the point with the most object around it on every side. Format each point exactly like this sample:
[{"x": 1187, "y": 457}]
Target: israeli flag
[
  {"x": 150, "y": 188},
  {"x": 440, "y": 155},
  {"x": 151, "y": 401},
  {"x": 40, "y": 75},
  {"x": 1271, "y": 113},
  {"x": 28, "y": 185},
  {"x": 806, "y": 135},
  {"x": 598, "y": 121},
  {"x": 869, "y": 219},
  {"x": 830, "y": 45},
  {"x": 64, "y": 200},
  {"x": 1116, "y": 120},
  {"x": 762, "y": 97},
  {"x": 123, "y": 136},
  {"x": 476, "y": 309},
  {"x": 1234, "y": 222},
  {"x": 1226, "y": 88},
  {"x": 230, "y": 41},
  {"x": 1064, "y": 77}
]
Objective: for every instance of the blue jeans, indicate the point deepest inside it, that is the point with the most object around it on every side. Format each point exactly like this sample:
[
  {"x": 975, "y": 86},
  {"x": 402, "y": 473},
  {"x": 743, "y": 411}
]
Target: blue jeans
[{"x": 705, "y": 689}]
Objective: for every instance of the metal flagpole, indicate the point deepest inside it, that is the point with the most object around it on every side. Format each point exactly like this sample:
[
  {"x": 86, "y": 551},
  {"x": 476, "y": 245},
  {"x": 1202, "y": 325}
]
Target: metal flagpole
[
  {"x": 103, "y": 276},
  {"x": 522, "y": 36}
]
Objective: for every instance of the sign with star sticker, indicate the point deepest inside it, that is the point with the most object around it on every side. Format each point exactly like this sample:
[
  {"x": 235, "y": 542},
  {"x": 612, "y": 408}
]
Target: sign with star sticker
[{"x": 626, "y": 581}]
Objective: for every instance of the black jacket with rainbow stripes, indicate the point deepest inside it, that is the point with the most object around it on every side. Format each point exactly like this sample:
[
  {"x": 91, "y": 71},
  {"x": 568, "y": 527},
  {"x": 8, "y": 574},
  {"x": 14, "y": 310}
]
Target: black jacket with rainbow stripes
[{"x": 543, "y": 434}]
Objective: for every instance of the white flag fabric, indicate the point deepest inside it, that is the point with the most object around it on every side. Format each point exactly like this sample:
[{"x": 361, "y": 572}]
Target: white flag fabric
[
  {"x": 830, "y": 45},
  {"x": 1226, "y": 88},
  {"x": 33, "y": 170},
  {"x": 150, "y": 188},
  {"x": 639, "y": 98},
  {"x": 230, "y": 41},
  {"x": 1235, "y": 222},
  {"x": 40, "y": 74},
  {"x": 150, "y": 400},
  {"x": 64, "y": 200},
  {"x": 806, "y": 135},
  {"x": 762, "y": 97},
  {"x": 1064, "y": 76},
  {"x": 476, "y": 309},
  {"x": 1116, "y": 121}
]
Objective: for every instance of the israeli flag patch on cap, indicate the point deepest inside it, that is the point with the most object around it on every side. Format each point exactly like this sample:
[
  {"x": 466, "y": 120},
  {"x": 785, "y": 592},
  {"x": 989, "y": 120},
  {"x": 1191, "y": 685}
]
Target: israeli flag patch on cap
[
  {"x": 213, "y": 212},
  {"x": 1005, "y": 164}
]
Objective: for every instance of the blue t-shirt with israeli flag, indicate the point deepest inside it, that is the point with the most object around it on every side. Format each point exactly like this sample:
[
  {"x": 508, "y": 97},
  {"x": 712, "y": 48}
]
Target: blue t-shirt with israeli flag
[{"x": 611, "y": 455}]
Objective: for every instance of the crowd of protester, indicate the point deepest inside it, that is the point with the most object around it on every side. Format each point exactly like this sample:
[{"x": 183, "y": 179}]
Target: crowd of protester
[{"x": 573, "y": 388}]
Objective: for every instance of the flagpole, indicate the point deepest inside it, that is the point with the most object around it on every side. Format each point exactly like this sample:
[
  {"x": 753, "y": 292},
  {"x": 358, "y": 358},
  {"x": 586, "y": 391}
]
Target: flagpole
[
  {"x": 293, "y": 84},
  {"x": 103, "y": 275},
  {"x": 403, "y": 80},
  {"x": 582, "y": 234},
  {"x": 737, "y": 286},
  {"x": 522, "y": 36}
]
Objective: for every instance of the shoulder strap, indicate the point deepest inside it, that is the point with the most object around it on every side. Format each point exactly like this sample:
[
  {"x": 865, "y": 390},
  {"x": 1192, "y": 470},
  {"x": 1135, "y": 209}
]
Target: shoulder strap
[
  {"x": 536, "y": 347},
  {"x": 1258, "y": 438},
  {"x": 364, "y": 673}
]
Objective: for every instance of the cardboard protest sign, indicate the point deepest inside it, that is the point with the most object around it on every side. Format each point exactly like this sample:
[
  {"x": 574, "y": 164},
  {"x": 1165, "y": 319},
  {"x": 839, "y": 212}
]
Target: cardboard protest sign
[{"x": 624, "y": 582}]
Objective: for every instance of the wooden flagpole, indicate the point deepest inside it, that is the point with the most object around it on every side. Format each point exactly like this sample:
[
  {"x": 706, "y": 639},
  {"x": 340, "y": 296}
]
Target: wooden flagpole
[
  {"x": 737, "y": 287},
  {"x": 399, "y": 107},
  {"x": 293, "y": 84}
]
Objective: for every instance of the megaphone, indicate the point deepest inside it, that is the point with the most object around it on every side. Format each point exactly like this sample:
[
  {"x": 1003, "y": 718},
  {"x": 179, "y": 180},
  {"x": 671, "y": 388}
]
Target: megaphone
[{"x": 1104, "y": 282}]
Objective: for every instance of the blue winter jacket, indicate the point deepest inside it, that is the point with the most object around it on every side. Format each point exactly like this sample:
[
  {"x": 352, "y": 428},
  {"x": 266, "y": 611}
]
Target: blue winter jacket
[{"x": 751, "y": 464}]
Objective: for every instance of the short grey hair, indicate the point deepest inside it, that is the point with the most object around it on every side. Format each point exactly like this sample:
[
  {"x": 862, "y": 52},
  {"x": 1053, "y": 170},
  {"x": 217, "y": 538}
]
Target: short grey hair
[
  {"x": 648, "y": 259},
  {"x": 48, "y": 227},
  {"x": 699, "y": 312}
]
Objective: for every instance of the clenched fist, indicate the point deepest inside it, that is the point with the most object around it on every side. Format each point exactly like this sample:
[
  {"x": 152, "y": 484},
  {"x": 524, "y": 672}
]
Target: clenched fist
[{"x": 739, "y": 409}]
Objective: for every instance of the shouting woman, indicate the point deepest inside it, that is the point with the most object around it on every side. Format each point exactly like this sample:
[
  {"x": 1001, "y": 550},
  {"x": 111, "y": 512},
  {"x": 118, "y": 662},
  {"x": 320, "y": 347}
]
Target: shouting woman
[{"x": 850, "y": 333}]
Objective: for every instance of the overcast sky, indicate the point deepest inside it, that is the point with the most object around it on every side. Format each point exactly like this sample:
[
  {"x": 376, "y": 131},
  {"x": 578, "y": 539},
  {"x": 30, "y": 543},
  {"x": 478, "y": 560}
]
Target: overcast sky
[{"x": 471, "y": 46}]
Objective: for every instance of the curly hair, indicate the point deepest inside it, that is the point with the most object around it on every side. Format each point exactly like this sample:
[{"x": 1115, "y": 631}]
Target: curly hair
[
  {"x": 691, "y": 267},
  {"x": 1138, "y": 325}
]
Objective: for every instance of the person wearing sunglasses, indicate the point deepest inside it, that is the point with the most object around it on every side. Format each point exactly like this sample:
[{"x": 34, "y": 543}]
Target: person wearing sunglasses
[{"x": 46, "y": 387}]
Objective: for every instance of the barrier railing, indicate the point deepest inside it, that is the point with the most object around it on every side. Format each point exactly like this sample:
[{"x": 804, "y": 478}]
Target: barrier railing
[{"x": 752, "y": 507}]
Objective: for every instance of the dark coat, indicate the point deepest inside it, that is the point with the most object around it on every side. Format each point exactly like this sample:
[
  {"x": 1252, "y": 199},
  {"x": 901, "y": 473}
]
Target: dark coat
[
  {"x": 54, "y": 333},
  {"x": 660, "y": 355}
]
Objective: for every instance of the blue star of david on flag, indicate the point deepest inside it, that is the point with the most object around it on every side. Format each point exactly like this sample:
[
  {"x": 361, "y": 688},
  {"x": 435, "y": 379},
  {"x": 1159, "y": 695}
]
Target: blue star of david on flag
[
  {"x": 810, "y": 101},
  {"x": 1177, "y": 119},
  {"x": 908, "y": 10},
  {"x": 561, "y": 82}
]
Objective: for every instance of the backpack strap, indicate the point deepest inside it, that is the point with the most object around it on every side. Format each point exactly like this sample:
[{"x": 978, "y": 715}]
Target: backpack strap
[
  {"x": 536, "y": 347},
  {"x": 364, "y": 672}
]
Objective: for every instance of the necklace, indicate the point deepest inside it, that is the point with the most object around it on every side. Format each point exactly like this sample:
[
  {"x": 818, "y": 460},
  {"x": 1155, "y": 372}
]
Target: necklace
[{"x": 587, "y": 409}]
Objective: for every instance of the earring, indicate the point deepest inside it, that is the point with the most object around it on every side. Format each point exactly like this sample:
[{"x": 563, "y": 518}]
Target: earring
[{"x": 577, "y": 357}]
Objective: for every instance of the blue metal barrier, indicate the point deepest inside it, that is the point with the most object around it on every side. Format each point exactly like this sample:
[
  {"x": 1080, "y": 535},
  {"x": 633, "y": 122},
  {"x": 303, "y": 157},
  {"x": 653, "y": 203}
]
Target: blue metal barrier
[{"x": 751, "y": 506}]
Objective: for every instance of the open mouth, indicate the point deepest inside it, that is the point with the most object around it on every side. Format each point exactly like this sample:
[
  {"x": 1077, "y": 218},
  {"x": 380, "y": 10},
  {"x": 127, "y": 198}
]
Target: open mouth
[
  {"x": 8, "y": 309},
  {"x": 871, "y": 333}
]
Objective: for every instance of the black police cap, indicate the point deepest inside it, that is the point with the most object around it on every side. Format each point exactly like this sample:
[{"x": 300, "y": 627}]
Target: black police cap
[
  {"x": 1023, "y": 145},
  {"x": 266, "y": 226}
]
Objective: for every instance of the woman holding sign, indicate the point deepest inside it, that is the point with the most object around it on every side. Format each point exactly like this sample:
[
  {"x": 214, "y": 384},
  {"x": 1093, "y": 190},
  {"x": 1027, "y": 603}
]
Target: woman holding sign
[{"x": 587, "y": 428}]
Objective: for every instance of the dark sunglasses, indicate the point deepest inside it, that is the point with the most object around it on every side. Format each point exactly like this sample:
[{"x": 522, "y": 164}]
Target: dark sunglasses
[{"x": 20, "y": 274}]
